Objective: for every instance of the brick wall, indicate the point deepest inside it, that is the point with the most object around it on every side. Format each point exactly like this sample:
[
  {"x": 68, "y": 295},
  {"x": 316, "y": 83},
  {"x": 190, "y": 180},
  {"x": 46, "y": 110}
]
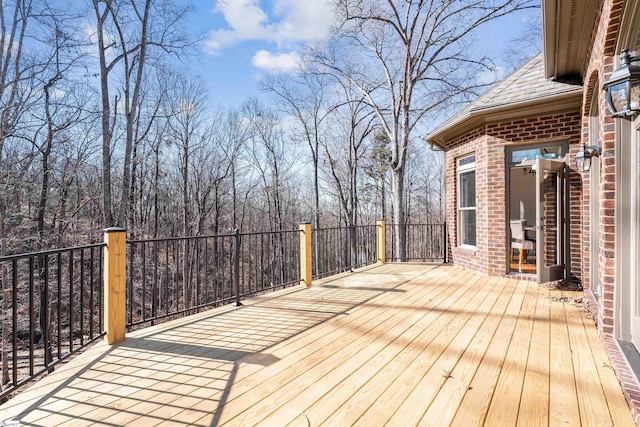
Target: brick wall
[
  {"x": 488, "y": 143},
  {"x": 601, "y": 63},
  {"x": 471, "y": 142},
  {"x": 599, "y": 66}
]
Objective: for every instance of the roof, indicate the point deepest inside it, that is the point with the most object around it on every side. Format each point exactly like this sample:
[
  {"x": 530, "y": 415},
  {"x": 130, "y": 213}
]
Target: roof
[
  {"x": 523, "y": 93},
  {"x": 567, "y": 29}
]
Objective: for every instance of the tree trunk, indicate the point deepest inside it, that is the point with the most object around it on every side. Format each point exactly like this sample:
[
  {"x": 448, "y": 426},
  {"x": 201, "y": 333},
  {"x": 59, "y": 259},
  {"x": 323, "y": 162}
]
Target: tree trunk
[
  {"x": 6, "y": 289},
  {"x": 397, "y": 193},
  {"x": 107, "y": 199}
]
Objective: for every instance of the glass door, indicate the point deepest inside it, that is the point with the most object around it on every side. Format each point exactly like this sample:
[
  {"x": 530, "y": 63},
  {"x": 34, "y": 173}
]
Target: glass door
[{"x": 550, "y": 220}]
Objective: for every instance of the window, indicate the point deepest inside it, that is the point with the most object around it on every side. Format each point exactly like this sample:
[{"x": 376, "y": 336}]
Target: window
[
  {"x": 533, "y": 152},
  {"x": 467, "y": 201}
]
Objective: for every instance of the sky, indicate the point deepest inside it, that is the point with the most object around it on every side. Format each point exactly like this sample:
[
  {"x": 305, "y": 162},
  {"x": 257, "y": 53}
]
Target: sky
[{"x": 244, "y": 39}]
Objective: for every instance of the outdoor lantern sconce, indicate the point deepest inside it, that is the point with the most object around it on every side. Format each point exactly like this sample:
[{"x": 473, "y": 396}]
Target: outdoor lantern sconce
[
  {"x": 623, "y": 87},
  {"x": 583, "y": 158}
]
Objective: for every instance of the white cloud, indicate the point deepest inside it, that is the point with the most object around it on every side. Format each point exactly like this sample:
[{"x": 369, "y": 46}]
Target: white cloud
[
  {"x": 304, "y": 20},
  {"x": 246, "y": 20},
  {"x": 291, "y": 22},
  {"x": 276, "y": 63}
]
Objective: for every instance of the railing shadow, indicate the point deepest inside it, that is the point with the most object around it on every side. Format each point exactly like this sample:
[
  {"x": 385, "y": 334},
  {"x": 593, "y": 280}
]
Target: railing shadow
[{"x": 188, "y": 367}]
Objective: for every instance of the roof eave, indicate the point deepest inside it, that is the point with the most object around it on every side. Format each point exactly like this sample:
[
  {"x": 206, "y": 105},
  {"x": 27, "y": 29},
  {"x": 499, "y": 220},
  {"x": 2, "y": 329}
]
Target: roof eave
[
  {"x": 567, "y": 32},
  {"x": 549, "y": 37},
  {"x": 479, "y": 117}
]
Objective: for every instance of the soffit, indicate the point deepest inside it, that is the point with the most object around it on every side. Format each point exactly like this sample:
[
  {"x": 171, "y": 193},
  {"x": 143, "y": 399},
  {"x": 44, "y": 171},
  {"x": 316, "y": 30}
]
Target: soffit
[{"x": 567, "y": 28}]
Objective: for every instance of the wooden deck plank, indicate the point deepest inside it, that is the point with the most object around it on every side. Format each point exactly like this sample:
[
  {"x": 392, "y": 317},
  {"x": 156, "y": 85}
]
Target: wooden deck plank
[
  {"x": 447, "y": 351},
  {"x": 444, "y": 407},
  {"x": 563, "y": 400},
  {"x": 321, "y": 343},
  {"x": 341, "y": 390},
  {"x": 618, "y": 408},
  {"x": 381, "y": 402},
  {"x": 593, "y": 406},
  {"x": 250, "y": 408},
  {"x": 475, "y": 404},
  {"x": 312, "y": 346},
  {"x": 361, "y": 349},
  {"x": 534, "y": 399},
  {"x": 363, "y": 387},
  {"x": 504, "y": 407}
]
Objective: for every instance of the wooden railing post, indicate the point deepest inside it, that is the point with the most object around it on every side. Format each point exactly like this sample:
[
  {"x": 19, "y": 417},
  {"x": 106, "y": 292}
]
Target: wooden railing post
[
  {"x": 380, "y": 239},
  {"x": 115, "y": 274},
  {"x": 306, "y": 272}
]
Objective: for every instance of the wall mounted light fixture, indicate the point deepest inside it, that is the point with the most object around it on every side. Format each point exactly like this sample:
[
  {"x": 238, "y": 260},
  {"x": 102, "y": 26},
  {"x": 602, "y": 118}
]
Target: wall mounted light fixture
[
  {"x": 623, "y": 87},
  {"x": 584, "y": 156}
]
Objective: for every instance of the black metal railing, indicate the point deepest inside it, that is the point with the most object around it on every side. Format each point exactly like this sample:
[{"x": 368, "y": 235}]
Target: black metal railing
[
  {"x": 184, "y": 275},
  {"x": 51, "y": 306},
  {"x": 424, "y": 243},
  {"x": 174, "y": 275},
  {"x": 339, "y": 249},
  {"x": 268, "y": 260},
  {"x": 52, "y": 302}
]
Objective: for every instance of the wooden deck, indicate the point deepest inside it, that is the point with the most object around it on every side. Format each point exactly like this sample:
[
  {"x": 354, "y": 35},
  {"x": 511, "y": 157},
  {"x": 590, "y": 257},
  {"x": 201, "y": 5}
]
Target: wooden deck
[{"x": 397, "y": 344}]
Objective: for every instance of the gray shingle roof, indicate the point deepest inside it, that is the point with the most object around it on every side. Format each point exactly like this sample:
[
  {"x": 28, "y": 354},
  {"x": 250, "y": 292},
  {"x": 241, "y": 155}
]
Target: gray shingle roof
[
  {"x": 527, "y": 82},
  {"x": 525, "y": 85}
]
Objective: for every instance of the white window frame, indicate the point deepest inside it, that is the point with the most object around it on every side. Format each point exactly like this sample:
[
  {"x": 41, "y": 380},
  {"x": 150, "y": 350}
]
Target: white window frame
[{"x": 465, "y": 164}]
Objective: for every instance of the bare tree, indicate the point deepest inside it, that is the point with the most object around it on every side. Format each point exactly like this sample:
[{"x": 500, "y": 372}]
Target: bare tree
[
  {"x": 354, "y": 122},
  {"x": 409, "y": 58},
  {"x": 526, "y": 45},
  {"x": 271, "y": 157},
  {"x": 128, "y": 34},
  {"x": 303, "y": 98},
  {"x": 19, "y": 89},
  {"x": 232, "y": 133},
  {"x": 186, "y": 105}
]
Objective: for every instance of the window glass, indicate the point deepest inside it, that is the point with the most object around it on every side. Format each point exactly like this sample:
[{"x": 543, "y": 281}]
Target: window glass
[
  {"x": 468, "y": 189},
  {"x": 467, "y": 200},
  {"x": 550, "y": 152},
  {"x": 468, "y": 227}
]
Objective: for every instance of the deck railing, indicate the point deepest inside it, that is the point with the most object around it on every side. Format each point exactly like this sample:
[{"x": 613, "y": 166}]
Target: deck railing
[
  {"x": 51, "y": 305},
  {"x": 424, "y": 243},
  {"x": 340, "y": 249},
  {"x": 54, "y": 303},
  {"x": 184, "y": 275}
]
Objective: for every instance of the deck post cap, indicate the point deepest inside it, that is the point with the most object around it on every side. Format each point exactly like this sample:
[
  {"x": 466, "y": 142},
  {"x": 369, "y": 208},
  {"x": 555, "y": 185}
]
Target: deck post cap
[{"x": 114, "y": 229}]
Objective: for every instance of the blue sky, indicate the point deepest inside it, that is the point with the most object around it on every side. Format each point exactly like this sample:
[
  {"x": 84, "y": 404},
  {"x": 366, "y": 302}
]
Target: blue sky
[{"x": 247, "y": 38}]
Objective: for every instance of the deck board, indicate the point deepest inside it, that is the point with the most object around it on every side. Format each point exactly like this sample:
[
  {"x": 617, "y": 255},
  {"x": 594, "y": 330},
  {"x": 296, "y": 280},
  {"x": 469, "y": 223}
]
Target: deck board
[
  {"x": 402, "y": 344},
  {"x": 449, "y": 347},
  {"x": 505, "y": 403},
  {"x": 534, "y": 399},
  {"x": 563, "y": 400},
  {"x": 325, "y": 396},
  {"x": 445, "y": 405},
  {"x": 474, "y": 407},
  {"x": 384, "y": 387}
]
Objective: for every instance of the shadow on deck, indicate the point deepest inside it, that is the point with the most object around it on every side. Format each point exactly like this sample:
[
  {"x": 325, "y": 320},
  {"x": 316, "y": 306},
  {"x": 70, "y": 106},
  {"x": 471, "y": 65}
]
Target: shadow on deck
[{"x": 402, "y": 344}]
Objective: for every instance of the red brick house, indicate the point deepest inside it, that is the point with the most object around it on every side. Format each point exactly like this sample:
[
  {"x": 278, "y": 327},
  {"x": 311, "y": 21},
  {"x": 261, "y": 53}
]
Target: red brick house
[{"x": 513, "y": 180}]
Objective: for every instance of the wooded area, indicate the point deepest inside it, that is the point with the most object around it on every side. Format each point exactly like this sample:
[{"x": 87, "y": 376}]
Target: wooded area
[{"x": 101, "y": 124}]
